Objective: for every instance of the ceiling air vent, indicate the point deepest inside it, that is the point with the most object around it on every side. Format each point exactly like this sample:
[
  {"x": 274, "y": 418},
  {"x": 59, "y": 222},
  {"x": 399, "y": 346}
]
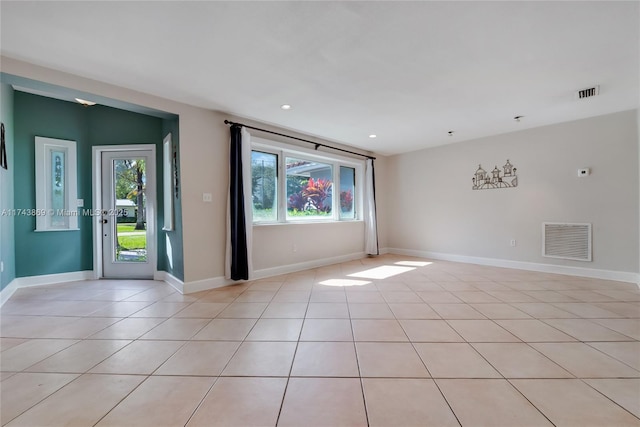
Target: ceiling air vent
[
  {"x": 566, "y": 241},
  {"x": 588, "y": 92}
]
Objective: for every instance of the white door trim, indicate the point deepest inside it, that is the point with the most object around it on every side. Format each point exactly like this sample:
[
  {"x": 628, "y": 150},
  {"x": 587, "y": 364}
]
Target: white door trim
[{"x": 97, "y": 203}]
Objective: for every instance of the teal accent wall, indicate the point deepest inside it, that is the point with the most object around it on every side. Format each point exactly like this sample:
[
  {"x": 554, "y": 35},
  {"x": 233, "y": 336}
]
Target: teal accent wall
[
  {"x": 7, "y": 242},
  {"x": 170, "y": 249},
  {"x": 39, "y": 253}
]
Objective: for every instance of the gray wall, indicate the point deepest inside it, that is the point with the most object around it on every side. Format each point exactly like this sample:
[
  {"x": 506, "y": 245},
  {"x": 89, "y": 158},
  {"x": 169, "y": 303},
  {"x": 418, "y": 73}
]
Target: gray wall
[{"x": 433, "y": 208}]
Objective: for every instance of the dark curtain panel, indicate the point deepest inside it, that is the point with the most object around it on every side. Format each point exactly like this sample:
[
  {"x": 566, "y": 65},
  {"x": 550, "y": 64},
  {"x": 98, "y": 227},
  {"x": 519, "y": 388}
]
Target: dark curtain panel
[
  {"x": 239, "y": 261},
  {"x": 375, "y": 209}
]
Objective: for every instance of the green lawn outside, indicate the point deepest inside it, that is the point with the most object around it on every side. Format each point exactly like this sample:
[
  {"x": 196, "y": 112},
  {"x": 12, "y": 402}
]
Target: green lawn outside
[
  {"x": 136, "y": 240},
  {"x": 127, "y": 228},
  {"x": 132, "y": 242}
]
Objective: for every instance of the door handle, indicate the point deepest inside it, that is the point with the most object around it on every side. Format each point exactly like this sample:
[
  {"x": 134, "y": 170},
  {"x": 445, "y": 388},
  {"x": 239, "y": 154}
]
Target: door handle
[{"x": 104, "y": 221}]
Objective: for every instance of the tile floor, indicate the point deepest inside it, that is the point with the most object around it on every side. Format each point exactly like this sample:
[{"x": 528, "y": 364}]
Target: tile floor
[{"x": 386, "y": 341}]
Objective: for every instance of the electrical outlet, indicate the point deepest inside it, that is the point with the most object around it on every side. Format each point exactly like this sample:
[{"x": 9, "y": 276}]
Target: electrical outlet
[
  {"x": 206, "y": 197},
  {"x": 513, "y": 242},
  {"x": 584, "y": 172}
]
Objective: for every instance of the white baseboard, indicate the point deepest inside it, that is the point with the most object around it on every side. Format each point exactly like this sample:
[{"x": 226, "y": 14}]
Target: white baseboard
[
  {"x": 207, "y": 284},
  {"x": 620, "y": 276},
  {"x": 292, "y": 268},
  {"x": 50, "y": 279},
  {"x": 45, "y": 279},
  {"x": 219, "y": 282},
  {"x": 8, "y": 290},
  {"x": 169, "y": 279}
]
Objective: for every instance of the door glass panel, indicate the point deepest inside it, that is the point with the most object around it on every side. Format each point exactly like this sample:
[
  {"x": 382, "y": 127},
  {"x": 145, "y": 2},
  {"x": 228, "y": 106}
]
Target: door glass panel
[{"x": 129, "y": 216}]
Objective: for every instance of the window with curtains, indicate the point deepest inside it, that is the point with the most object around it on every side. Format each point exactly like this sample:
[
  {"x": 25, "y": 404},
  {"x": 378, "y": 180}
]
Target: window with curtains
[{"x": 293, "y": 185}]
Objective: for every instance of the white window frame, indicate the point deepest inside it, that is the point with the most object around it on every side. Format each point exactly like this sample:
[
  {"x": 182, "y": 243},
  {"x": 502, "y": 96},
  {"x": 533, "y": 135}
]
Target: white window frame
[
  {"x": 282, "y": 151},
  {"x": 167, "y": 183},
  {"x": 44, "y": 212}
]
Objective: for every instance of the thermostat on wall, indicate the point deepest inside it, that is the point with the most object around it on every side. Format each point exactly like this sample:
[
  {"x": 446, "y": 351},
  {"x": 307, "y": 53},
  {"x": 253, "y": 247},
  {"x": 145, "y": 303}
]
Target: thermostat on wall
[{"x": 584, "y": 172}]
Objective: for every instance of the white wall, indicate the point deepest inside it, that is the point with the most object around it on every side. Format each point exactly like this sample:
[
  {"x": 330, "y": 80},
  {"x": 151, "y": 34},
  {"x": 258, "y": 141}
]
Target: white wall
[
  {"x": 433, "y": 208},
  {"x": 204, "y": 154},
  {"x": 282, "y": 245}
]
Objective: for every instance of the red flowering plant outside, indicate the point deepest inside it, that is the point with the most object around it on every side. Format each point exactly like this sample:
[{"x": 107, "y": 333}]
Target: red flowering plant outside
[
  {"x": 297, "y": 202},
  {"x": 346, "y": 201},
  {"x": 316, "y": 193},
  {"x": 312, "y": 197}
]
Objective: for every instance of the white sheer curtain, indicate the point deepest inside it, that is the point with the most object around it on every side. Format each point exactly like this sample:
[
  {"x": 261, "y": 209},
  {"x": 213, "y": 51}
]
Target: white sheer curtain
[
  {"x": 370, "y": 225},
  {"x": 235, "y": 265}
]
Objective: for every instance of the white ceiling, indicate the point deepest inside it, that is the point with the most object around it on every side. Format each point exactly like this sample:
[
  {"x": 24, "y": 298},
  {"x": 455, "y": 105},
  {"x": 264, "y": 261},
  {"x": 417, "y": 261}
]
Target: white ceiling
[{"x": 406, "y": 71}]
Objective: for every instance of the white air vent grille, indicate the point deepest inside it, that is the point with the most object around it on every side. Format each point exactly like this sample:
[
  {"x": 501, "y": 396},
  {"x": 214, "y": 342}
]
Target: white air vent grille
[
  {"x": 588, "y": 92},
  {"x": 567, "y": 241}
]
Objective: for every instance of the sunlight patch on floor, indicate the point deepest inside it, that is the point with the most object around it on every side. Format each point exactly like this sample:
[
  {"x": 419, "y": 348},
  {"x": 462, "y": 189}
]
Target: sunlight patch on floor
[
  {"x": 382, "y": 272},
  {"x": 414, "y": 263},
  {"x": 344, "y": 282}
]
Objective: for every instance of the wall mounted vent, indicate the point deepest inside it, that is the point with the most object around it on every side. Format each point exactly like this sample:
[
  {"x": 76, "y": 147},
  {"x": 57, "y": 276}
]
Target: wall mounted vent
[
  {"x": 566, "y": 241},
  {"x": 588, "y": 92}
]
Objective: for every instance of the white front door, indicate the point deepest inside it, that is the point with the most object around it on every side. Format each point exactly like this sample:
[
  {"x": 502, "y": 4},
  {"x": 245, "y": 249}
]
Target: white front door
[{"x": 128, "y": 214}]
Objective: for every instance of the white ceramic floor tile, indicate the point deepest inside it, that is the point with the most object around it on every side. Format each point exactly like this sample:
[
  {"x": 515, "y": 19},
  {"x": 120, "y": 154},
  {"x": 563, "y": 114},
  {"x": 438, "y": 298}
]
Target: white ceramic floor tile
[
  {"x": 139, "y": 357},
  {"x": 406, "y": 402},
  {"x": 203, "y": 358},
  {"x": 572, "y": 402},
  {"x": 33, "y": 351},
  {"x": 167, "y": 401},
  {"x": 325, "y": 359},
  {"x": 24, "y": 390},
  {"x": 323, "y": 402},
  {"x": 430, "y": 331},
  {"x": 276, "y": 330},
  {"x": 435, "y": 343},
  {"x": 241, "y": 402},
  {"x": 377, "y": 330},
  {"x": 389, "y": 360},
  {"x": 584, "y": 361},
  {"x": 83, "y": 402},
  {"x": 479, "y": 402},
  {"x": 519, "y": 360},
  {"x": 625, "y": 392},
  {"x": 262, "y": 359},
  {"x": 454, "y": 360}
]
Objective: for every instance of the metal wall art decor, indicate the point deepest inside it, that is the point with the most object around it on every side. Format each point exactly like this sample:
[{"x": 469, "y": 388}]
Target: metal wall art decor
[
  {"x": 505, "y": 178},
  {"x": 175, "y": 171}
]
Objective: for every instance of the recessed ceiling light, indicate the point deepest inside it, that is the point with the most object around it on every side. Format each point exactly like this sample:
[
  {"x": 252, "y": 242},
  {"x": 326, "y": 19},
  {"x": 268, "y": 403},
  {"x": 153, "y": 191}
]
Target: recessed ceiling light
[
  {"x": 85, "y": 102},
  {"x": 373, "y": 135},
  {"x": 285, "y": 107},
  {"x": 517, "y": 118},
  {"x": 450, "y": 133}
]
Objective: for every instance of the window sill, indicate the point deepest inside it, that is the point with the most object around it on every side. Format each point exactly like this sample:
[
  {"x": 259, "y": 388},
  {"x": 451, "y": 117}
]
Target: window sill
[{"x": 268, "y": 224}]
